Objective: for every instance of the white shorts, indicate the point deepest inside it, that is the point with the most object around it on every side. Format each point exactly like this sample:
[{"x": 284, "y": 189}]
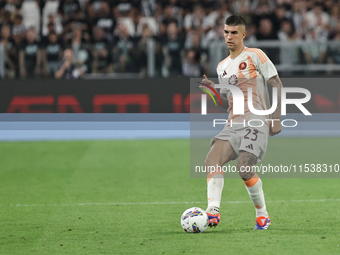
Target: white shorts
[{"x": 250, "y": 139}]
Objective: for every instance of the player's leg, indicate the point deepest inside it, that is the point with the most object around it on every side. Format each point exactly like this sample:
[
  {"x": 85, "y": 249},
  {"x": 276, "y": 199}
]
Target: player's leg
[
  {"x": 220, "y": 153},
  {"x": 254, "y": 187}
]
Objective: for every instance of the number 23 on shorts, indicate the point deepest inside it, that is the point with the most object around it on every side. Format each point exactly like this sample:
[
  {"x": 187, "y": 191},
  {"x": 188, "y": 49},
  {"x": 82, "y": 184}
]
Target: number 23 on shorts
[{"x": 251, "y": 134}]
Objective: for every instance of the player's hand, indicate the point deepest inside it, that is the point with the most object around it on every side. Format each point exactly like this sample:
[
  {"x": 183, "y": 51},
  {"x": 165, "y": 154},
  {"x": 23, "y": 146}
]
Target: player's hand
[
  {"x": 208, "y": 82},
  {"x": 274, "y": 127}
]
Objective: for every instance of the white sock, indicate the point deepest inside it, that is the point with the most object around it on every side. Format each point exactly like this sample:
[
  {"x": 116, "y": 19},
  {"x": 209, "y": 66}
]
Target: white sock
[
  {"x": 214, "y": 190},
  {"x": 257, "y": 197}
]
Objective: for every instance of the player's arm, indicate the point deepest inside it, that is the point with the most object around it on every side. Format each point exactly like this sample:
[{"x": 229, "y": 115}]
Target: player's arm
[{"x": 275, "y": 126}]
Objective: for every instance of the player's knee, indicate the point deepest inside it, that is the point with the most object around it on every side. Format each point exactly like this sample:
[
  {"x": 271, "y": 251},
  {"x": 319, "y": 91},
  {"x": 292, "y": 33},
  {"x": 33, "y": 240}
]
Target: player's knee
[{"x": 246, "y": 174}]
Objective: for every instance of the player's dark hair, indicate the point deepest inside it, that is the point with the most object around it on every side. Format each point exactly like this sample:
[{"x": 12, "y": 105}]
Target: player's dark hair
[{"x": 235, "y": 20}]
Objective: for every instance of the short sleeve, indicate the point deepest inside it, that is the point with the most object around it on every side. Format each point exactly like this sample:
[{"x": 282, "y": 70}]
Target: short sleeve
[{"x": 264, "y": 65}]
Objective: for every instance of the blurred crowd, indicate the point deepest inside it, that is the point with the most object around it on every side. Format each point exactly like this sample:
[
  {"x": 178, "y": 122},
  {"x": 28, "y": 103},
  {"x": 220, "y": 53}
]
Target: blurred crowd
[{"x": 68, "y": 38}]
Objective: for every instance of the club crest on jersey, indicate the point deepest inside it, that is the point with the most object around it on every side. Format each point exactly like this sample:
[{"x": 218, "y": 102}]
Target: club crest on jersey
[
  {"x": 224, "y": 74},
  {"x": 233, "y": 80},
  {"x": 242, "y": 66}
]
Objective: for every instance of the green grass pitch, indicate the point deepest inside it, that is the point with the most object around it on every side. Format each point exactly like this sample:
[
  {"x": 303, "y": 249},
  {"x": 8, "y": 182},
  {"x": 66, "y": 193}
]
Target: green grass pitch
[{"x": 126, "y": 197}]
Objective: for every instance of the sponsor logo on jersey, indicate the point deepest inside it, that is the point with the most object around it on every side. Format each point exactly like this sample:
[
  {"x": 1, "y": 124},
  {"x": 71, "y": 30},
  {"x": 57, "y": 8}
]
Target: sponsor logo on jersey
[
  {"x": 242, "y": 66},
  {"x": 224, "y": 74}
]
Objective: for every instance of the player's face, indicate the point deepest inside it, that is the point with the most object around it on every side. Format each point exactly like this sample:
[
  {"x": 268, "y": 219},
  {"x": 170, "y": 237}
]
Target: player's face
[{"x": 234, "y": 36}]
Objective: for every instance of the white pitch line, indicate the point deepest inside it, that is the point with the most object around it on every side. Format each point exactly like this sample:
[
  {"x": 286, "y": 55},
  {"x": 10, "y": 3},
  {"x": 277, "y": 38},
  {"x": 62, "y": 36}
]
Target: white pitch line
[{"x": 171, "y": 203}]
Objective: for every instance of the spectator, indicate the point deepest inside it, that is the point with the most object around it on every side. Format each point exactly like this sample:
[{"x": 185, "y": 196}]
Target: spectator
[
  {"x": 238, "y": 7},
  {"x": 196, "y": 33},
  {"x": 251, "y": 34},
  {"x": 150, "y": 22},
  {"x": 139, "y": 51},
  {"x": 51, "y": 53},
  {"x": 185, "y": 6},
  {"x": 221, "y": 11},
  {"x": 169, "y": 15},
  {"x": 149, "y": 8},
  {"x": 123, "y": 43},
  {"x": 335, "y": 31},
  {"x": 315, "y": 49},
  {"x": 52, "y": 26},
  {"x": 287, "y": 31},
  {"x": 18, "y": 30},
  {"x": 334, "y": 51},
  {"x": 94, "y": 7},
  {"x": 80, "y": 45},
  {"x": 329, "y": 5},
  {"x": 11, "y": 6},
  {"x": 321, "y": 30},
  {"x": 289, "y": 55},
  {"x": 215, "y": 35},
  {"x": 214, "y": 44},
  {"x": 102, "y": 52},
  {"x": 172, "y": 47},
  {"x": 280, "y": 15},
  {"x": 125, "y": 8},
  {"x": 299, "y": 10},
  {"x": 266, "y": 32},
  {"x": 313, "y": 15},
  {"x": 208, "y": 6},
  {"x": 176, "y": 10},
  {"x": 191, "y": 66},
  {"x": 196, "y": 19},
  {"x": 334, "y": 18},
  {"x": 262, "y": 6},
  {"x": 30, "y": 12},
  {"x": 262, "y": 12},
  {"x": 5, "y": 18},
  {"x": 10, "y": 51},
  {"x": 193, "y": 39},
  {"x": 68, "y": 69},
  {"x": 69, "y": 31},
  {"x": 69, "y": 10},
  {"x": 174, "y": 24},
  {"x": 29, "y": 56},
  {"x": 2, "y": 4},
  {"x": 104, "y": 19}
]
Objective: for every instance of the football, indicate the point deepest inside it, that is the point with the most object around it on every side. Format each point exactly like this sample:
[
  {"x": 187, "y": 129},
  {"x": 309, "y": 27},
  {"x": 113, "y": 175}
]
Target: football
[{"x": 194, "y": 220}]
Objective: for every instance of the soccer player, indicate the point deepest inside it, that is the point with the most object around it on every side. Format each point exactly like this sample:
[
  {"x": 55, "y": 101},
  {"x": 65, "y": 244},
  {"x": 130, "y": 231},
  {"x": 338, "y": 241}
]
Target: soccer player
[{"x": 244, "y": 67}]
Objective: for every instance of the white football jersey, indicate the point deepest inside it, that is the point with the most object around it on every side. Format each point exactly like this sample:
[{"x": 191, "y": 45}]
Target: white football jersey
[{"x": 252, "y": 68}]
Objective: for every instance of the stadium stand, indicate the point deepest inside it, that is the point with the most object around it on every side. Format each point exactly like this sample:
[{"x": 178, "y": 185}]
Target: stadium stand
[{"x": 162, "y": 38}]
